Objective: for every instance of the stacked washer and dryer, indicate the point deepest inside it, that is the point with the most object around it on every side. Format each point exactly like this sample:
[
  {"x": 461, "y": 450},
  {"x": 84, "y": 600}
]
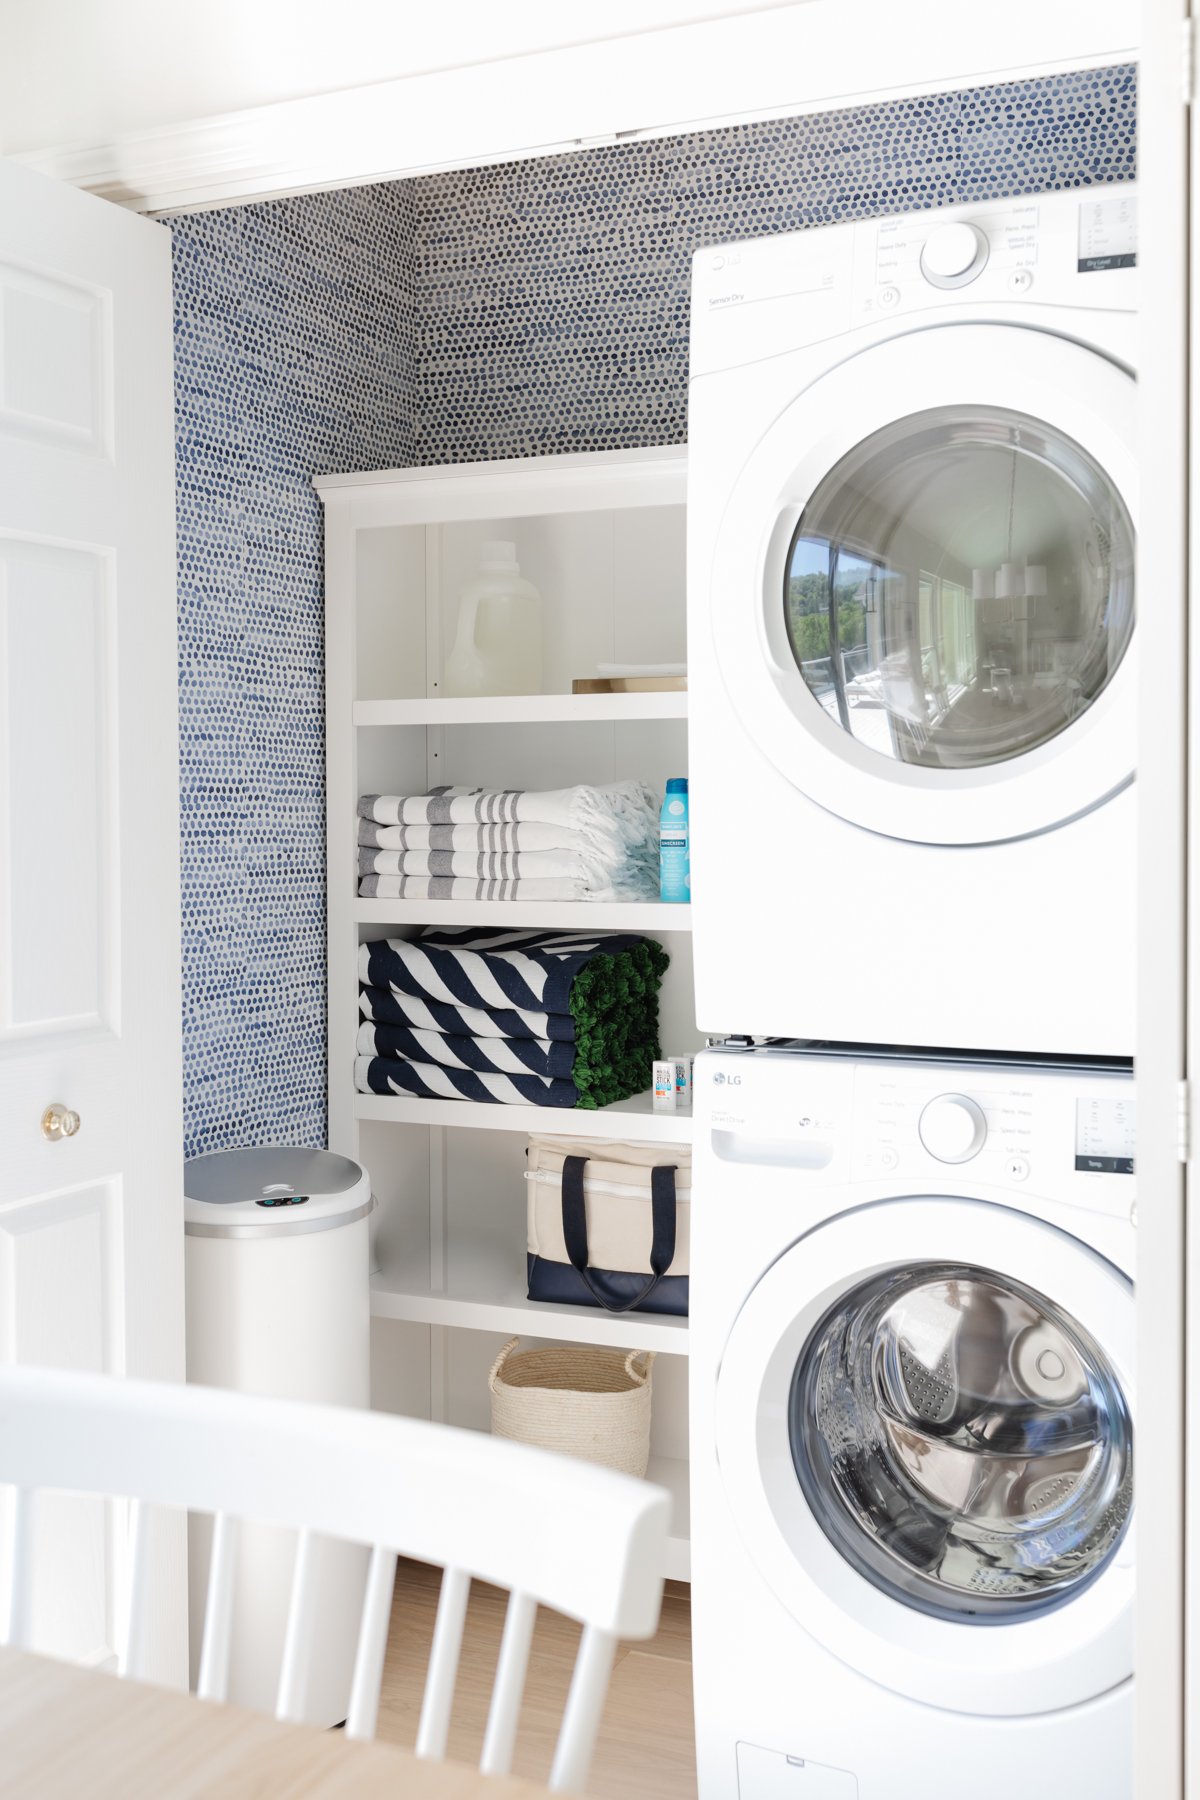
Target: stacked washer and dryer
[{"x": 911, "y": 642}]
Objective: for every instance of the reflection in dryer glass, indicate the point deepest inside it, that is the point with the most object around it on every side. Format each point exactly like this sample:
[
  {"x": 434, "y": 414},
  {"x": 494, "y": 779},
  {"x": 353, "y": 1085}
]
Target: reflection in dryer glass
[
  {"x": 960, "y": 587},
  {"x": 963, "y": 1442}
]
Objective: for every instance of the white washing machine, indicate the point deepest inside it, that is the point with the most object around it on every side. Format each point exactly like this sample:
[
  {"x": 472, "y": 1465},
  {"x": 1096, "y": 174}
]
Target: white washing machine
[
  {"x": 911, "y": 1347},
  {"x": 912, "y": 504}
]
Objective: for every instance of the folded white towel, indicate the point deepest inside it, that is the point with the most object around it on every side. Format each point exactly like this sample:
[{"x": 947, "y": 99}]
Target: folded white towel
[
  {"x": 624, "y": 813},
  {"x": 446, "y": 887},
  {"x": 531, "y": 865},
  {"x": 503, "y": 835}
]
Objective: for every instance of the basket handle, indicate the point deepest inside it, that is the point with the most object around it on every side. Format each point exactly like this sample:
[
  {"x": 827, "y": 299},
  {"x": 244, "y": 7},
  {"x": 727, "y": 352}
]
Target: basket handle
[
  {"x": 494, "y": 1371},
  {"x": 642, "y": 1375}
]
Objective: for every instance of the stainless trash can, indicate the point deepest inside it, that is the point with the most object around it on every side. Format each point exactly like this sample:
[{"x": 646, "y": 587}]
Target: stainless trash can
[{"x": 278, "y": 1303}]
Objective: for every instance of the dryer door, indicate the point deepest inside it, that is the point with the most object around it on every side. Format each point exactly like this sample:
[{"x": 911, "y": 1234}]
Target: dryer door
[
  {"x": 924, "y": 1428},
  {"x": 923, "y": 588}
]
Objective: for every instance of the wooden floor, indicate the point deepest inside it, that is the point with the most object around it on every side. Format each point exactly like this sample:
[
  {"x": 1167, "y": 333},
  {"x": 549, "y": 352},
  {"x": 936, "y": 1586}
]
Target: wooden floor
[{"x": 646, "y": 1749}]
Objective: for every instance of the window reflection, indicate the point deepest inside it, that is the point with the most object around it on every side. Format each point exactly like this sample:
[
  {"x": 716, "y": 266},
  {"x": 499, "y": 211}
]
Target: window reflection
[{"x": 960, "y": 587}]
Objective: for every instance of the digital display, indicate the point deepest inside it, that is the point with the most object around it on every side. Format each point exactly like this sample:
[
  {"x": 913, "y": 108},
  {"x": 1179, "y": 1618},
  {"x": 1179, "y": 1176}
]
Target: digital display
[
  {"x": 1105, "y": 1132},
  {"x": 1107, "y": 234}
]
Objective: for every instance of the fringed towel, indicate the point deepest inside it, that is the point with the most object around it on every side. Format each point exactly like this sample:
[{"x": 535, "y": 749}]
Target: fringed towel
[
  {"x": 388, "y": 1008},
  {"x": 602, "y": 991},
  {"x": 428, "y": 1081},
  {"x": 488, "y": 1056}
]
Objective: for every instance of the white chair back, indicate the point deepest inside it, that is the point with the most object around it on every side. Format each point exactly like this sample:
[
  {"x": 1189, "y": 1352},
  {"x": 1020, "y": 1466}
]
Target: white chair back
[{"x": 568, "y": 1535}]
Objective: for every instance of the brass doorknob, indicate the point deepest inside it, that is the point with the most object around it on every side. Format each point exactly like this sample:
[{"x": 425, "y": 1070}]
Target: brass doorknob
[{"x": 59, "y": 1121}]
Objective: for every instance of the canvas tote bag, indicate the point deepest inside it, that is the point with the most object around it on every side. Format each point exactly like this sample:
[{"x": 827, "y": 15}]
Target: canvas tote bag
[{"x": 609, "y": 1224}]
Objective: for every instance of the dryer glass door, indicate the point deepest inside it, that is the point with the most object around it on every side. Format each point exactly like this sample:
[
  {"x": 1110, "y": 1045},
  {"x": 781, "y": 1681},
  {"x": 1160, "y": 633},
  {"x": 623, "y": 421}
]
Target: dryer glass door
[
  {"x": 921, "y": 591},
  {"x": 963, "y": 1443},
  {"x": 959, "y": 588}
]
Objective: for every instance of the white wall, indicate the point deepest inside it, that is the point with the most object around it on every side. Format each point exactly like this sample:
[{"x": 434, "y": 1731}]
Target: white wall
[{"x": 89, "y": 71}]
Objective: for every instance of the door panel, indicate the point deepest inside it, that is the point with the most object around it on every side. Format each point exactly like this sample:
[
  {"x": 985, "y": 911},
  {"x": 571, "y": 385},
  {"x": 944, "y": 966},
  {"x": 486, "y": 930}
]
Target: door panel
[
  {"x": 91, "y": 1241},
  {"x": 55, "y": 765},
  {"x": 56, "y": 359}
]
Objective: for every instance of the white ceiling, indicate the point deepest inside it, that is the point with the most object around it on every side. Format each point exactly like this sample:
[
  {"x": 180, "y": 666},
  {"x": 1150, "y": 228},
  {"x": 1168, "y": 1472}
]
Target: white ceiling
[{"x": 84, "y": 72}]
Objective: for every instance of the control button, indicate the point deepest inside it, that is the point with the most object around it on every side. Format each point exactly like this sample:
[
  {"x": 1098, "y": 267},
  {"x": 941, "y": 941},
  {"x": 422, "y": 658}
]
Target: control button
[
  {"x": 1017, "y": 1168},
  {"x": 953, "y": 1128},
  {"x": 953, "y": 255},
  {"x": 1020, "y": 281},
  {"x": 717, "y": 262},
  {"x": 889, "y": 296},
  {"x": 889, "y": 1157}
]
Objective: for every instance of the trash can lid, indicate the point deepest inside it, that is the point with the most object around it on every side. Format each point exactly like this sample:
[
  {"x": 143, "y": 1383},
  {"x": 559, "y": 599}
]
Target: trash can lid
[{"x": 273, "y": 1191}]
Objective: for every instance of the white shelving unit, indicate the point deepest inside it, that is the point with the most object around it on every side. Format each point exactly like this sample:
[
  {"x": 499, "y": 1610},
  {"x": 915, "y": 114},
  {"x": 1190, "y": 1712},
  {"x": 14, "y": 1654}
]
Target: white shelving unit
[
  {"x": 523, "y": 709},
  {"x": 602, "y": 538}
]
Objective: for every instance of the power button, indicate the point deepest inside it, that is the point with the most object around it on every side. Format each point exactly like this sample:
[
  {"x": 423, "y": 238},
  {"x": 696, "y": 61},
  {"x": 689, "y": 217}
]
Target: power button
[{"x": 889, "y": 296}]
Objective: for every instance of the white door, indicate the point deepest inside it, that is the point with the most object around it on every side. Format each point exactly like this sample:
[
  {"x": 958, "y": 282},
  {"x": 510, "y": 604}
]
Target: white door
[
  {"x": 91, "y": 1244},
  {"x": 926, "y": 573}
]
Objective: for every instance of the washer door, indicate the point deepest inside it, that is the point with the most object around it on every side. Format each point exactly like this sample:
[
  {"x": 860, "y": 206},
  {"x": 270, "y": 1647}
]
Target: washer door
[
  {"x": 924, "y": 1429},
  {"x": 923, "y": 587}
]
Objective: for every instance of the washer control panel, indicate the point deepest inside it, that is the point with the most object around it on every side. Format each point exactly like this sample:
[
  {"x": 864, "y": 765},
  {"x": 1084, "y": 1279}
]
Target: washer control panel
[
  {"x": 1070, "y": 1133},
  {"x": 1063, "y": 1132}
]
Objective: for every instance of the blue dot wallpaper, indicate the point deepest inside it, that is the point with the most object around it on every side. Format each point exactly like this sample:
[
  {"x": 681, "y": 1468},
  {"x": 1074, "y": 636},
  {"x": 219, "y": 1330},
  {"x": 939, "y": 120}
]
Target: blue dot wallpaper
[{"x": 519, "y": 309}]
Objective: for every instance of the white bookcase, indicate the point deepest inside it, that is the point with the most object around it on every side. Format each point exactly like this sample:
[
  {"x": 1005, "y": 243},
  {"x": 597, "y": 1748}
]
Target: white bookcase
[{"x": 602, "y": 538}]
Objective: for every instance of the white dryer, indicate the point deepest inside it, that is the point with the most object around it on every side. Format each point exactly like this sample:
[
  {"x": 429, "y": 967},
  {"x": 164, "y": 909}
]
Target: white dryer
[
  {"x": 912, "y": 507},
  {"x": 911, "y": 1348}
]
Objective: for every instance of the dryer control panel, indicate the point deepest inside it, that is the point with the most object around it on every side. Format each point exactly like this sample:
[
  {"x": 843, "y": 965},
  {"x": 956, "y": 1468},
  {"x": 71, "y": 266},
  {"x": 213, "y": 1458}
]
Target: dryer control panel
[{"x": 999, "y": 257}]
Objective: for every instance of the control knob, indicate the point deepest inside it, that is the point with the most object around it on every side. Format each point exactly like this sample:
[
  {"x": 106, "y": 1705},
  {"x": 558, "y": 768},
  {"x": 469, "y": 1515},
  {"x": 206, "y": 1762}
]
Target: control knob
[
  {"x": 953, "y": 1128},
  {"x": 953, "y": 255}
]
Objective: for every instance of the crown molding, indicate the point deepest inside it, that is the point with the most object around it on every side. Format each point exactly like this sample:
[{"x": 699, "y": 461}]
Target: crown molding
[{"x": 753, "y": 66}]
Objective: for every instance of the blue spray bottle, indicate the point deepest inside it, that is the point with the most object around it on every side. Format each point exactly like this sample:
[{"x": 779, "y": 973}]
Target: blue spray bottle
[{"x": 674, "y": 867}]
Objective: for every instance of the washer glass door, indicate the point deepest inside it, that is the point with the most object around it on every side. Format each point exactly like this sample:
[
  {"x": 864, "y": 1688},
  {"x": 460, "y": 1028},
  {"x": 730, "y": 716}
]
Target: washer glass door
[
  {"x": 963, "y": 1442},
  {"x": 959, "y": 587}
]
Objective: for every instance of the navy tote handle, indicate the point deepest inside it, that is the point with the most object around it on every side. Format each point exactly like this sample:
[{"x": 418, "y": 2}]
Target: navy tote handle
[{"x": 574, "y": 1218}]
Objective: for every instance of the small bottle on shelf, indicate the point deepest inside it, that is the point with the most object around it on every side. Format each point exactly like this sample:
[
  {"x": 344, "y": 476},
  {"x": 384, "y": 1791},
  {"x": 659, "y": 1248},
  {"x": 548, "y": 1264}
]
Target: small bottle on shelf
[{"x": 674, "y": 866}]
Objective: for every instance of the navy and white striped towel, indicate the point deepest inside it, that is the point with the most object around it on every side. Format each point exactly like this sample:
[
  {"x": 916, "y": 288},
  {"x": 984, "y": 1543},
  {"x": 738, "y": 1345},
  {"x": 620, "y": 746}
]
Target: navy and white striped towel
[
  {"x": 531, "y": 971},
  {"x": 427, "y": 1081},
  {"x": 487, "y": 1056},
  {"x": 388, "y": 1008}
]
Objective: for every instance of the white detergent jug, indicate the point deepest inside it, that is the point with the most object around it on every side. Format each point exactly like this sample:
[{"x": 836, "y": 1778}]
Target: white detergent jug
[{"x": 498, "y": 644}]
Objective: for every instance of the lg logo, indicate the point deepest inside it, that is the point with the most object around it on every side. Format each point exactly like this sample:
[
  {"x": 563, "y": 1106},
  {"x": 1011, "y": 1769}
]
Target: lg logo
[{"x": 720, "y": 1080}]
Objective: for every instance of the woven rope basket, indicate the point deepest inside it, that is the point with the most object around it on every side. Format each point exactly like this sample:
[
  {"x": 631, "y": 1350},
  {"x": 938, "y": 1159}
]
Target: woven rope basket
[{"x": 578, "y": 1400}]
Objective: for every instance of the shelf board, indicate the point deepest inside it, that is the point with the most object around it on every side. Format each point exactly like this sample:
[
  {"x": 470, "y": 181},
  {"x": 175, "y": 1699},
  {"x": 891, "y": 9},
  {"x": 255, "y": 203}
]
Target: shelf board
[
  {"x": 482, "y": 1298},
  {"x": 633, "y": 1120},
  {"x": 549, "y": 915},
  {"x": 521, "y": 709}
]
